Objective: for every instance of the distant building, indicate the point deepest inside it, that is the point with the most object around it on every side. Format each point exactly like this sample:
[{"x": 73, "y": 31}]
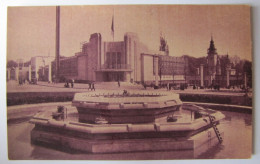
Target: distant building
[
  {"x": 40, "y": 68},
  {"x": 217, "y": 71},
  {"x": 172, "y": 69},
  {"x": 18, "y": 72},
  {"x": 131, "y": 61}
]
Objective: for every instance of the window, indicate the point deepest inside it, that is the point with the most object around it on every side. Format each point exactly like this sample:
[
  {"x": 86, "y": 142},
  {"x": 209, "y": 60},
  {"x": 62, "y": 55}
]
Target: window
[
  {"x": 118, "y": 60},
  {"x": 108, "y": 64}
]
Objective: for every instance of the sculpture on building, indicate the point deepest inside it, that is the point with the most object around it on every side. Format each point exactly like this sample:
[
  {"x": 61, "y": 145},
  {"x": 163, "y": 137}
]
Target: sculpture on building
[{"x": 164, "y": 45}]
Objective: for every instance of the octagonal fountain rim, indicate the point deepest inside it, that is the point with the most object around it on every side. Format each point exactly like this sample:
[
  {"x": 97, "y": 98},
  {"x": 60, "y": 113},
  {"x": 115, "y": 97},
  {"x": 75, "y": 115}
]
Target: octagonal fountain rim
[
  {"x": 104, "y": 128},
  {"x": 130, "y": 97}
]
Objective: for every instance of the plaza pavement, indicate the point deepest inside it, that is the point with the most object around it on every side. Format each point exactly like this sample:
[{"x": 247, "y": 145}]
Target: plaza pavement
[
  {"x": 27, "y": 110},
  {"x": 12, "y": 86}
]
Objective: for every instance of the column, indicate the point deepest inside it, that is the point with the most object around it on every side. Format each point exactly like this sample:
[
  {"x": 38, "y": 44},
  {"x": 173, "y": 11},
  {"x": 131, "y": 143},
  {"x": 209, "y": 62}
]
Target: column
[
  {"x": 8, "y": 73},
  {"x": 156, "y": 70},
  {"x": 98, "y": 51},
  {"x": 201, "y": 76},
  {"x": 228, "y": 74},
  {"x": 16, "y": 73},
  {"x": 127, "y": 77},
  {"x": 211, "y": 79},
  {"x": 142, "y": 68},
  {"x": 245, "y": 81},
  {"x": 30, "y": 72},
  {"x": 36, "y": 73},
  {"x": 50, "y": 77}
]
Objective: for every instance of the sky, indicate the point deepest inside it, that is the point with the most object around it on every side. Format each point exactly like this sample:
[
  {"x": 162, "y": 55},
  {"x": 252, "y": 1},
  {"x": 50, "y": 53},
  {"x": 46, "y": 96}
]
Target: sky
[{"x": 187, "y": 28}]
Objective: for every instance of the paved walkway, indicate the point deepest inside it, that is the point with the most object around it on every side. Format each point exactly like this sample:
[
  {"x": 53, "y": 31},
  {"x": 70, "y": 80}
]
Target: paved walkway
[
  {"x": 30, "y": 109},
  {"x": 12, "y": 86}
]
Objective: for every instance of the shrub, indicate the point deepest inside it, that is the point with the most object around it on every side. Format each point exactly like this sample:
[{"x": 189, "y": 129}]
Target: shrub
[
  {"x": 38, "y": 97},
  {"x": 218, "y": 99}
]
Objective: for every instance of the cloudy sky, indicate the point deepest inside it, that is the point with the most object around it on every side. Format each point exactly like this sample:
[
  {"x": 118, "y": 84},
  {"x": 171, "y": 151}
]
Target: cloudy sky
[{"x": 188, "y": 29}]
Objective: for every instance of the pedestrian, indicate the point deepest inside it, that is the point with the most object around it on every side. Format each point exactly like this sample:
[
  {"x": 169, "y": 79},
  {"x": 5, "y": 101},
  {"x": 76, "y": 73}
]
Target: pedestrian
[
  {"x": 66, "y": 85},
  {"x": 125, "y": 92},
  {"x": 20, "y": 82},
  {"x": 93, "y": 86},
  {"x": 89, "y": 86},
  {"x": 118, "y": 83},
  {"x": 144, "y": 86},
  {"x": 72, "y": 83}
]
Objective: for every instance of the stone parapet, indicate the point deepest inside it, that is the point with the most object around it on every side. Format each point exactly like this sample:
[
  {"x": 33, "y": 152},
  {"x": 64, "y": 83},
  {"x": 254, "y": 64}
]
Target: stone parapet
[{"x": 125, "y": 107}]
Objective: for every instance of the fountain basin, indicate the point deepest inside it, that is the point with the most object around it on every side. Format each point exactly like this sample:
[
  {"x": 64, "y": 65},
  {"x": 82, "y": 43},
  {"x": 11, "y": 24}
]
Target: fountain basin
[
  {"x": 108, "y": 138},
  {"x": 137, "y": 121}
]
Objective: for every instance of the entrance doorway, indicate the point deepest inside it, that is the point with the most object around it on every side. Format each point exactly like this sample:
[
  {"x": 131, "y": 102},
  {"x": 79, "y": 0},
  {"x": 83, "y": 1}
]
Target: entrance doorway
[{"x": 114, "y": 76}]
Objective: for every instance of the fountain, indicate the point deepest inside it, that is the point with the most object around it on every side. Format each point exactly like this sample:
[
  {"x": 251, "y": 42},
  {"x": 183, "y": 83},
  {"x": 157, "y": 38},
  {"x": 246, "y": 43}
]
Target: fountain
[{"x": 112, "y": 122}]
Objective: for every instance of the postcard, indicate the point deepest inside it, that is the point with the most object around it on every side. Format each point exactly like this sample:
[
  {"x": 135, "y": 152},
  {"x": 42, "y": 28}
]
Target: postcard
[{"x": 129, "y": 82}]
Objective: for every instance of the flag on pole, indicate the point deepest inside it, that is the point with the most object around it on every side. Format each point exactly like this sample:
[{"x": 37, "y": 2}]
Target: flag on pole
[{"x": 112, "y": 27}]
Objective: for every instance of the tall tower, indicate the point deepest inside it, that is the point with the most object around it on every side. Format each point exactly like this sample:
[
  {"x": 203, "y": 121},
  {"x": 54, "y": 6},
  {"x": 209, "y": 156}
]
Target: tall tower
[
  {"x": 57, "y": 54},
  {"x": 212, "y": 50},
  {"x": 212, "y": 58}
]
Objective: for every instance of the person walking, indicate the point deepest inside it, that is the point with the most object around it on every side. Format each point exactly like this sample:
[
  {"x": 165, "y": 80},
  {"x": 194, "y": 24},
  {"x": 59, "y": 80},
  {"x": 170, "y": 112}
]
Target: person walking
[
  {"x": 144, "y": 86},
  {"x": 93, "y": 86},
  {"x": 89, "y": 86},
  {"x": 72, "y": 83}
]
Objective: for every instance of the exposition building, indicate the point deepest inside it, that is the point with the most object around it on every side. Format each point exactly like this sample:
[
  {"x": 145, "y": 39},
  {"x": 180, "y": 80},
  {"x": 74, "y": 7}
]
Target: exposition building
[{"x": 128, "y": 60}]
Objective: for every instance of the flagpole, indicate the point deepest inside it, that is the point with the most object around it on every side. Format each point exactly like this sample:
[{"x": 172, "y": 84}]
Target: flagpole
[{"x": 113, "y": 24}]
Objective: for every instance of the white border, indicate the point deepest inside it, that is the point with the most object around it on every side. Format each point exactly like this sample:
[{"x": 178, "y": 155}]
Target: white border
[{"x": 3, "y": 33}]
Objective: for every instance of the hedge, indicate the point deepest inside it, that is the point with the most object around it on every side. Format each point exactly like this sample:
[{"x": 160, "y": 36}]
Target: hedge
[
  {"x": 20, "y": 98},
  {"x": 217, "y": 99}
]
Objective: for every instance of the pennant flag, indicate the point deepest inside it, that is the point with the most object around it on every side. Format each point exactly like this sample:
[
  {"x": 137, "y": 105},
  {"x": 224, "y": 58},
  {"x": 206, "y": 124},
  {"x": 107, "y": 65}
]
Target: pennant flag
[{"x": 112, "y": 26}]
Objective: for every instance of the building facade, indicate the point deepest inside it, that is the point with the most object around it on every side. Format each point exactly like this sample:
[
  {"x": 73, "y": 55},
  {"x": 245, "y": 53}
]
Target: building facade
[
  {"x": 110, "y": 61},
  {"x": 173, "y": 69},
  {"x": 131, "y": 61}
]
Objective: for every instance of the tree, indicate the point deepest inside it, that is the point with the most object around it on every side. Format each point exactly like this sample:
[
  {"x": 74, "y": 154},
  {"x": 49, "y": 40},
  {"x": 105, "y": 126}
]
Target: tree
[
  {"x": 239, "y": 72},
  {"x": 247, "y": 68},
  {"x": 11, "y": 64}
]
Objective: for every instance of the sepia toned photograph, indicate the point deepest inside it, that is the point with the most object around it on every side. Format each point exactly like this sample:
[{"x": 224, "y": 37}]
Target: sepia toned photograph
[{"x": 129, "y": 82}]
